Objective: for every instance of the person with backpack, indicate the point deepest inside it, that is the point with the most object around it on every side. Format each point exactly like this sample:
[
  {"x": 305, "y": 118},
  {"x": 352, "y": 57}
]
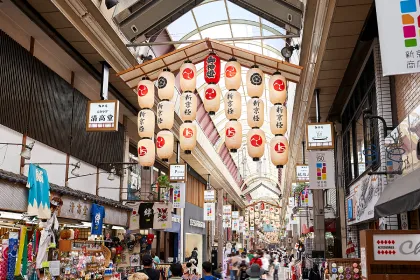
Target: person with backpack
[
  {"x": 194, "y": 256},
  {"x": 242, "y": 270},
  {"x": 254, "y": 272},
  {"x": 207, "y": 274}
]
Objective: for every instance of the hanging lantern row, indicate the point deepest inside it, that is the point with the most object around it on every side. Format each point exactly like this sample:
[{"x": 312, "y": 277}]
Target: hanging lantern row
[{"x": 212, "y": 94}]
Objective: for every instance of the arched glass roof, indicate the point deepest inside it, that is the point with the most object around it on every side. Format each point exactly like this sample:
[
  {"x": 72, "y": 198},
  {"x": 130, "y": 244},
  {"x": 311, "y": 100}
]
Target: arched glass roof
[{"x": 222, "y": 19}]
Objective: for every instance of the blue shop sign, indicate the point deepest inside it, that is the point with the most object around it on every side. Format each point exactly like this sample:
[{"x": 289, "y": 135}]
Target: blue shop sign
[{"x": 350, "y": 209}]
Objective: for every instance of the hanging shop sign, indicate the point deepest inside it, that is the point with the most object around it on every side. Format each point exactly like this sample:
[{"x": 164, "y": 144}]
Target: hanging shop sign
[
  {"x": 396, "y": 247},
  {"x": 178, "y": 172},
  {"x": 178, "y": 195},
  {"x": 350, "y": 209},
  {"x": 404, "y": 220},
  {"x": 302, "y": 173},
  {"x": 321, "y": 169},
  {"x": 235, "y": 214},
  {"x": 292, "y": 201},
  {"x": 209, "y": 195},
  {"x": 209, "y": 211},
  {"x": 227, "y": 210},
  {"x": 398, "y": 36},
  {"x": 212, "y": 69},
  {"x": 102, "y": 115},
  {"x": 365, "y": 193},
  {"x": 235, "y": 224},
  {"x": 319, "y": 136},
  {"x": 195, "y": 223},
  {"x": 227, "y": 216}
]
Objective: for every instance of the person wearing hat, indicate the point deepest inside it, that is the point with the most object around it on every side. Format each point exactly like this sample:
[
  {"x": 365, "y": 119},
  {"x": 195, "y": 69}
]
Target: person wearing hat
[
  {"x": 152, "y": 273},
  {"x": 255, "y": 272}
]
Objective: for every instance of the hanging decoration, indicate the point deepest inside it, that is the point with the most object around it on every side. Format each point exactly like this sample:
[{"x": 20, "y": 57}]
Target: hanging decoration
[
  {"x": 166, "y": 84},
  {"x": 188, "y": 136},
  {"x": 146, "y": 123},
  {"x": 255, "y": 112},
  {"x": 255, "y": 81},
  {"x": 211, "y": 99},
  {"x": 279, "y": 151},
  {"x": 146, "y": 93},
  {"x": 165, "y": 145},
  {"x": 277, "y": 88},
  {"x": 146, "y": 152},
  {"x": 188, "y": 106},
  {"x": 233, "y": 107},
  {"x": 165, "y": 114},
  {"x": 278, "y": 119},
  {"x": 233, "y": 135},
  {"x": 212, "y": 69},
  {"x": 233, "y": 75},
  {"x": 255, "y": 143},
  {"x": 188, "y": 76}
]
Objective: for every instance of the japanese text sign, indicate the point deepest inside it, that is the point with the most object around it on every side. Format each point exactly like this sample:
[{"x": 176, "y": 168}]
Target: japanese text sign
[
  {"x": 302, "y": 173},
  {"x": 178, "y": 172},
  {"x": 321, "y": 169},
  {"x": 319, "y": 136},
  {"x": 102, "y": 115}
]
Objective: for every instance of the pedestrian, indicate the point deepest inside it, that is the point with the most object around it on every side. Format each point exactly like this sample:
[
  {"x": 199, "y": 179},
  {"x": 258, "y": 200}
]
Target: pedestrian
[
  {"x": 194, "y": 256},
  {"x": 156, "y": 260},
  {"x": 257, "y": 259},
  {"x": 242, "y": 270},
  {"x": 148, "y": 269},
  {"x": 176, "y": 271},
  {"x": 254, "y": 272},
  {"x": 236, "y": 261},
  {"x": 207, "y": 274}
]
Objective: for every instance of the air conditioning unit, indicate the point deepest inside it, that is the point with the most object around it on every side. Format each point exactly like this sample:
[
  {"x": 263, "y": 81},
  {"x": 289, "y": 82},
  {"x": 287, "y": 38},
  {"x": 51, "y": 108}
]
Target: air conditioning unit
[{"x": 138, "y": 20}]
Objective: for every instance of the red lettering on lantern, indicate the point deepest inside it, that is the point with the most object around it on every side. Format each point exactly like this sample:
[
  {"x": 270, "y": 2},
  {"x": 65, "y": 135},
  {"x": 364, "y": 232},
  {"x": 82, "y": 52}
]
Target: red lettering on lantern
[
  {"x": 142, "y": 151},
  {"x": 188, "y": 74},
  {"x": 188, "y": 132},
  {"x": 279, "y": 85},
  {"x": 256, "y": 140},
  {"x": 142, "y": 90},
  {"x": 160, "y": 142},
  {"x": 230, "y": 72},
  {"x": 280, "y": 148},
  {"x": 230, "y": 132},
  {"x": 210, "y": 93}
]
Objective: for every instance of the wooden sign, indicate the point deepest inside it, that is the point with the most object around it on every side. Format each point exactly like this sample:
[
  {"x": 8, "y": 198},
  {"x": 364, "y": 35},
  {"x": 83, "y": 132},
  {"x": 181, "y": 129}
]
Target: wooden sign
[{"x": 102, "y": 115}]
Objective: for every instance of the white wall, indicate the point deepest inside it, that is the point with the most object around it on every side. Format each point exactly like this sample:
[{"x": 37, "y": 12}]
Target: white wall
[
  {"x": 10, "y": 155},
  {"x": 107, "y": 188},
  {"x": 85, "y": 183}
]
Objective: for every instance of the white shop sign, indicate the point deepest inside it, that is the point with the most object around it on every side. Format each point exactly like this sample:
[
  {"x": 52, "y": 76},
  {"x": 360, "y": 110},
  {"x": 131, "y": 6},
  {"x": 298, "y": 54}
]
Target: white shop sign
[
  {"x": 195, "y": 223},
  {"x": 102, "y": 115},
  {"x": 209, "y": 195},
  {"x": 302, "y": 173},
  {"x": 396, "y": 247},
  {"x": 178, "y": 172},
  {"x": 319, "y": 136}
]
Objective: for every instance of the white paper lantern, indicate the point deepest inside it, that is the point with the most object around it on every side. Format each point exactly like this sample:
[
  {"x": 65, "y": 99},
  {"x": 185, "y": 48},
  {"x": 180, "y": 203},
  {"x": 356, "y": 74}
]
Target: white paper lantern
[
  {"x": 278, "y": 119},
  {"x": 146, "y": 123},
  {"x": 233, "y": 135},
  {"x": 233, "y": 107},
  {"x": 188, "y": 106},
  {"x": 255, "y": 143},
  {"x": 188, "y": 76},
  {"x": 146, "y": 152},
  {"x": 165, "y": 114},
  {"x": 255, "y": 82},
  {"x": 146, "y": 93},
  {"x": 279, "y": 151},
  {"x": 233, "y": 75},
  {"x": 188, "y": 137},
  {"x": 255, "y": 112},
  {"x": 211, "y": 99},
  {"x": 166, "y": 84},
  {"x": 165, "y": 145},
  {"x": 277, "y": 88}
]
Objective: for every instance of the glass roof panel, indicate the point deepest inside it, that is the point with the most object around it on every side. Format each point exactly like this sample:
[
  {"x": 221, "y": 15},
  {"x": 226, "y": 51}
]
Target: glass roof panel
[
  {"x": 210, "y": 12},
  {"x": 245, "y": 30},
  {"x": 236, "y": 12},
  {"x": 181, "y": 27},
  {"x": 272, "y": 25},
  {"x": 217, "y": 32}
]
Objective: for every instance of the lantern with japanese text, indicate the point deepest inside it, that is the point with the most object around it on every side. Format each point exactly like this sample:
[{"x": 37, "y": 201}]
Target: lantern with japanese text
[
  {"x": 165, "y": 145},
  {"x": 233, "y": 74},
  {"x": 188, "y": 136},
  {"x": 146, "y": 152},
  {"x": 278, "y": 119},
  {"x": 211, "y": 99},
  {"x": 166, "y": 84},
  {"x": 165, "y": 114},
  {"x": 188, "y": 107},
  {"x": 255, "y": 81},
  {"x": 277, "y": 88},
  {"x": 255, "y": 112},
  {"x": 146, "y": 123},
  {"x": 233, "y": 107},
  {"x": 255, "y": 143},
  {"x": 188, "y": 76},
  {"x": 279, "y": 151},
  {"x": 146, "y": 93},
  {"x": 212, "y": 69},
  {"x": 233, "y": 135}
]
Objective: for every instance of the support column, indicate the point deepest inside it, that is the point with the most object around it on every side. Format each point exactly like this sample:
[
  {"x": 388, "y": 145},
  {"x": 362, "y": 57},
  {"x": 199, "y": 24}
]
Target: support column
[
  {"x": 219, "y": 221},
  {"x": 319, "y": 220}
]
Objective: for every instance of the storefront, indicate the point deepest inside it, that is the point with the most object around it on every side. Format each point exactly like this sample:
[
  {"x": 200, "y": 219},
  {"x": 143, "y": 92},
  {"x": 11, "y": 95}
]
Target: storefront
[
  {"x": 172, "y": 237},
  {"x": 195, "y": 233}
]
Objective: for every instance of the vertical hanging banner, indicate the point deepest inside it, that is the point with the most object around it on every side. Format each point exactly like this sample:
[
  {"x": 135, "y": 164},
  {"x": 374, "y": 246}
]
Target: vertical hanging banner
[
  {"x": 178, "y": 195},
  {"x": 39, "y": 192},
  {"x": 227, "y": 216},
  {"x": 241, "y": 224},
  {"x": 209, "y": 211},
  {"x": 321, "y": 169},
  {"x": 235, "y": 224},
  {"x": 235, "y": 214}
]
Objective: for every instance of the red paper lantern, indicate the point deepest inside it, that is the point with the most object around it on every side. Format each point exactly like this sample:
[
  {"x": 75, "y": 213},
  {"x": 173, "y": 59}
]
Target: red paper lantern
[{"x": 212, "y": 69}]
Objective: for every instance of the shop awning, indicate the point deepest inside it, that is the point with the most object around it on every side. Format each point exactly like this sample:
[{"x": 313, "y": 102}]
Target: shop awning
[
  {"x": 17, "y": 178},
  {"x": 400, "y": 196}
]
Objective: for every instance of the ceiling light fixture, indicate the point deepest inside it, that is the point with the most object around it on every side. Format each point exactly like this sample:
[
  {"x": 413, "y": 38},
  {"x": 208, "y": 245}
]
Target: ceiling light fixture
[
  {"x": 111, "y": 175},
  {"x": 110, "y": 3}
]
